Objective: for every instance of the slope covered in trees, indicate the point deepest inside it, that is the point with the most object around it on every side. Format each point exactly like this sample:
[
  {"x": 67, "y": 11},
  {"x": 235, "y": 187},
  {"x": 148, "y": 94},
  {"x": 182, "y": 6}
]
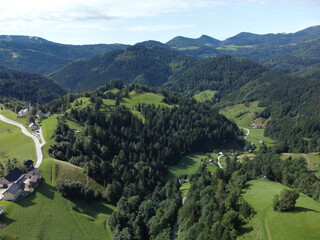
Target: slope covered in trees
[
  {"x": 28, "y": 87},
  {"x": 129, "y": 157},
  {"x": 37, "y": 55},
  {"x": 150, "y": 66}
]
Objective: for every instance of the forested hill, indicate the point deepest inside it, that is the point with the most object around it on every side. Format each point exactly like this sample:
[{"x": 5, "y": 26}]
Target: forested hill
[
  {"x": 28, "y": 87},
  {"x": 127, "y": 144},
  {"x": 289, "y": 53},
  {"x": 37, "y": 55},
  {"x": 150, "y": 66}
]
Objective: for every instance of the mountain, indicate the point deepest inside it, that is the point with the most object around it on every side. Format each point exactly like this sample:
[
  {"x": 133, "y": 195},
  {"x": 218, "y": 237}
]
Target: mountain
[
  {"x": 183, "y": 42},
  {"x": 150, "y": 66},
  {"x": 29, "y": 87},
  {"x": 37, "y": 55},
  {"x": 299, "y": 52}
]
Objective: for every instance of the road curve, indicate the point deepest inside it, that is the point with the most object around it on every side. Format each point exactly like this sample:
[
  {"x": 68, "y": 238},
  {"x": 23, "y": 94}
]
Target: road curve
[
  {"x": 36, "y": 141},
  {"x": 248, "y": 132},
  {"x": 219, "y": 164}
]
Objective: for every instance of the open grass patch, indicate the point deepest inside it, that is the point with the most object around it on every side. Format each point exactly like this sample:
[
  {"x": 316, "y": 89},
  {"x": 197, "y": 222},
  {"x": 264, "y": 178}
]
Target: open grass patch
[
  {"x": 189, "y": 164},
  {"x": 268, "y": 224},
  {"x": 206, "y": 95},
  {"x": 68, "y": 171},
  {"x": 14, "y": 144}
]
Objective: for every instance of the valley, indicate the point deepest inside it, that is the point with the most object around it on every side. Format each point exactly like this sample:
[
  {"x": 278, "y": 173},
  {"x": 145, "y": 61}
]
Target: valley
[{"x": 191, "y": 139}]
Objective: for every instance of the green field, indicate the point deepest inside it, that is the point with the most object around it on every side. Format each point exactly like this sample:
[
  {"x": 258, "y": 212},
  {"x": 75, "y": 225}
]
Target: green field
[
  {"x": 268, "y": 224},
  {"x": 244, "y": 115},
  {"x": 189, "y": 164},
  {"x": 14, "y": 144},
  {"x": 68, "y": 171},
  {"x": 206, "y": 95},
  {"x": 45, "y": 214}
]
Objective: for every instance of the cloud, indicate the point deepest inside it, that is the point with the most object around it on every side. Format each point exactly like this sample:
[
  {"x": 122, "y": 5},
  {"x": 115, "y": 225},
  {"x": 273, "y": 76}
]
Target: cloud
[{"x": 158, "y": 27}]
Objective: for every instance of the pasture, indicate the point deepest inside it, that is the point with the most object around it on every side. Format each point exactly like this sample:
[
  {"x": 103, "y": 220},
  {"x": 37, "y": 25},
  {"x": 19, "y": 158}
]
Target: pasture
[{"x": 268, "y": 224}]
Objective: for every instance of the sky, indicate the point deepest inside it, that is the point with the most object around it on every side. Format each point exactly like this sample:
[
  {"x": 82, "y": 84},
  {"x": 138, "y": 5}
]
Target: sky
[{"x": 129, "y": 22}]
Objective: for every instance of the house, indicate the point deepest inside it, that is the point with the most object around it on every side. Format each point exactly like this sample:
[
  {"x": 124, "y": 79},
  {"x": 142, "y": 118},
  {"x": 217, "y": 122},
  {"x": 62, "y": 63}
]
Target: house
[
  {"x": 14, "y": 175},
  {"x": 40, "y": 114},
  {"x": 4, "y": 182},
  {"x": 33, "y": 126},
  {"x": 211, "y": 162},
  {"x": 23, "y": 112},
  {"x": 34, "y": 181},
  {"x": 28, "y": 164},
  {"x": 1, "y": 210},
  {"x": 261, "y": 142},
  {"x": 12, "y": 193},
  {"x": 182, "y": 180}
]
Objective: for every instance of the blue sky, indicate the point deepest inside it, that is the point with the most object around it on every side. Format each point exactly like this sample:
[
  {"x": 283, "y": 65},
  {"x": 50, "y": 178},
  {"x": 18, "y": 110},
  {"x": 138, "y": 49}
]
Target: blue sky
[{"x": 125, "y": 21}]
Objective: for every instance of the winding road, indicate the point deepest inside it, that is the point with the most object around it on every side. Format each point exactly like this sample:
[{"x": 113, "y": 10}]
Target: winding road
[
  {"x": 36, "y": 141},
  {"x": 248, "y": 132},
  {"x": 219, "y": 156}
]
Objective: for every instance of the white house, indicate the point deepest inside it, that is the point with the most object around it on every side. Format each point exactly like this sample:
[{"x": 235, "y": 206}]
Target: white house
[{"x": 12, "y": 193}]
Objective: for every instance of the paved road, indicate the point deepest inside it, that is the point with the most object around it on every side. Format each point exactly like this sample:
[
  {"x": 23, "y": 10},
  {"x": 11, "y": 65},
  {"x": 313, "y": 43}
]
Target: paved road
[
  {"x": 219, "y": 164},
  {"x": 36, "y": 141},
  {"x": 248, "y": 132}
]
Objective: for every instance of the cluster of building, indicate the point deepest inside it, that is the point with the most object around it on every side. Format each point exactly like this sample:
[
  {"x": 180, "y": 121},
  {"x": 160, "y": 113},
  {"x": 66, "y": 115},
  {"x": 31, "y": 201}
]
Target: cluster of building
[
  {"x": 18, "y": 183},
  {"x": 26, "y": 112}
]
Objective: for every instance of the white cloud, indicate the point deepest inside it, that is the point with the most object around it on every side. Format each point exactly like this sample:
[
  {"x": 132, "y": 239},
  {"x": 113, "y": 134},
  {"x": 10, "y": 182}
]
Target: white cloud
[{"x": 158, "y": 27}]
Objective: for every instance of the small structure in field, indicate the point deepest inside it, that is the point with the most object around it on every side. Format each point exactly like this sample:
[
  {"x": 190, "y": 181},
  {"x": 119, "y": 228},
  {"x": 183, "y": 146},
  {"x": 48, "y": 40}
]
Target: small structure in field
[
  {"x": 261, "y": 142},
  {"x": 1, "y": 210}
]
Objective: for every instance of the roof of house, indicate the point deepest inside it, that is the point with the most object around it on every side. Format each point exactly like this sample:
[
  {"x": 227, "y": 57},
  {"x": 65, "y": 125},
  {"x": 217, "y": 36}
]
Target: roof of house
[
  {"x": 14, "y": 188},
  {"x": 14, "y": 175},
  {"x": 28, "y": 163},
  {"x": 34, "y": 178}
]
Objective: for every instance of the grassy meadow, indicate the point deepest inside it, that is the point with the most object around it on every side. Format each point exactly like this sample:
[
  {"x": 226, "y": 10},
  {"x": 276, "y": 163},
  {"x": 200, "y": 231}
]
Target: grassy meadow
[
  {"x": 189, "y": 164},
  {"x": 268, "y": 224},
  {"x": 206, "y": 95},
  {"x": 244, "y": 115},
  {"x": 14, "y": 144}
]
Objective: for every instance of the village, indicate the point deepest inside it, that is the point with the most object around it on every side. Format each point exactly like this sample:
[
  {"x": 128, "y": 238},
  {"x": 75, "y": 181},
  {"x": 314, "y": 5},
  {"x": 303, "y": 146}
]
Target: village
[{"x": 19, "y": 183}]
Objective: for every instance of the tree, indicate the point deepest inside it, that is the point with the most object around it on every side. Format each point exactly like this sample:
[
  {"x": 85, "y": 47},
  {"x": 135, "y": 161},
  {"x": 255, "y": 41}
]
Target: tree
[{"x": 286, "y": 201}]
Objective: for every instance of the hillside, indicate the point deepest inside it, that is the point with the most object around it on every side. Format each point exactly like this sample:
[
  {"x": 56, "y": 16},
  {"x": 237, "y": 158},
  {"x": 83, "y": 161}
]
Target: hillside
[
  {"x": 138, "y": 64},
  {"x": 37, "y": 55},
  {"x": 268, "y": 224},
  {"x": 28, "y": 87},
  {"x": 289, "y": 53}
]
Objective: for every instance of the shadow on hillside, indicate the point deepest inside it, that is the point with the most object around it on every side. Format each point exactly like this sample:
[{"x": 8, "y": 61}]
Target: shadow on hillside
[
  {"x": 27, "y": 201},
  {"x": 303, "y": 209},
  {"x": 245, "y": 230},
  {"x": 46, "y": 189},
  {"x": 92, "y": 209},
  {"x": 5, "y": 221}
]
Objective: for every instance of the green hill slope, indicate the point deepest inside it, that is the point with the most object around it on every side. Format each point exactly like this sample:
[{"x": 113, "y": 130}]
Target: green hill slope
[{"x": 267, "y": 224}]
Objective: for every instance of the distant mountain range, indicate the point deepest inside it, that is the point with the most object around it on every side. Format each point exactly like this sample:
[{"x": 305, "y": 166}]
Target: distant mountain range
[
  {"x": 37, "y": 55},
  {"x": 296, "y": 53}
]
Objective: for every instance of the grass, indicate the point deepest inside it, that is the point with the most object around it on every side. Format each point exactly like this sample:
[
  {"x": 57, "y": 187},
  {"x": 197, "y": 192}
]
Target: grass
[
  {"x": 12, "y": 115},
  {"x": 68, "y": 171},
  {"x": 244, "y": 115},
  {"x": 45, "y": 214},
  {"x": 14, "y": 144},
  {"x": 189, "y": 164},
  {"x": 206, "y": 95},
  {"x": 268, "y": 224}
]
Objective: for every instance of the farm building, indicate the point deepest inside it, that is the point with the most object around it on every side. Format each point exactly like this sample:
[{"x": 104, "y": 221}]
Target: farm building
[
  {"x": 28, "y": 164},
  {"x": 13, "y": 192},
  {"x": 14, "y": 175},
  {"x": 33, "y": 126}
]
